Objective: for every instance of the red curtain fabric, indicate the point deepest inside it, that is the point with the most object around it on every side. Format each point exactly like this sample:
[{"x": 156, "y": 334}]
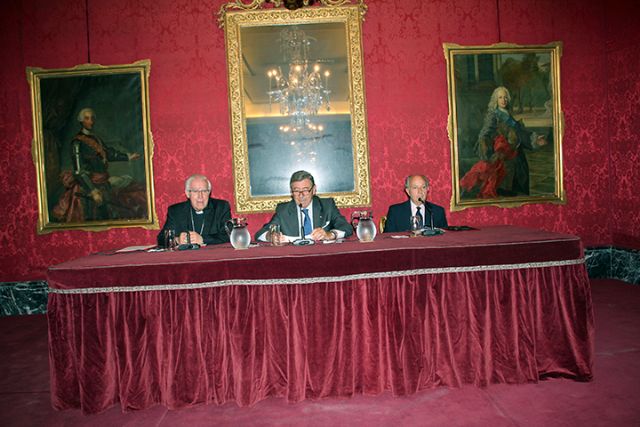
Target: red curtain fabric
[{"x": 245, "y": 343}]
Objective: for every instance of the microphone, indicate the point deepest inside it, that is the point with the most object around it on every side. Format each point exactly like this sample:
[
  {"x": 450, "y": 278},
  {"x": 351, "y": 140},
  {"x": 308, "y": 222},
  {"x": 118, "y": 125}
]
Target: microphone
[
  {"x": 302, "y": 241},
  {"x": 431, "y": 231},
  {"x": 302, "y": 236},
  {"x": 428, "y": 209}
]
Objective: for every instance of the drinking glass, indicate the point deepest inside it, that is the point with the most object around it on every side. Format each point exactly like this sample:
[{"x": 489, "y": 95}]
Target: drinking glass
[
  {"x": 170, "y": 242},
  {"x": 274, "y": 235},
  {"x": 415, "y": 228}
]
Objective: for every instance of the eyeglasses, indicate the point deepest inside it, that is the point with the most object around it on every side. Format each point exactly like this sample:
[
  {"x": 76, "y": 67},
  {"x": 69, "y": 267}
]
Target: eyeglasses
[
  {"x": 302, "y": 192},
  {"x": 201, "y": 192}
]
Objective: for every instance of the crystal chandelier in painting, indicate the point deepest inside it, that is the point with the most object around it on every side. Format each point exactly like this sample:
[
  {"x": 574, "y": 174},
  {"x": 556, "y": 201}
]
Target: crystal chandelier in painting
[{"x": 303, "y": 91}]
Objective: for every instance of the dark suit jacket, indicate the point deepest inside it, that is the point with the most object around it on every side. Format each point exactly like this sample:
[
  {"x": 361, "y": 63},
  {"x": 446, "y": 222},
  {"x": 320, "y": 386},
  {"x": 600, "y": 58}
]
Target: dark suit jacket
[
  {"x": 323, "y": 210},
  {"x": 215, "y": 214},
  {"x": 399, "y": 215}
]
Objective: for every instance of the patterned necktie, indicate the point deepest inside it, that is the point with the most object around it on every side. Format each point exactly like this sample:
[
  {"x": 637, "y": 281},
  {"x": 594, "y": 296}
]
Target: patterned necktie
[
  {"x": 307, "y": 222},
  {"x": 419, "y": 215}
]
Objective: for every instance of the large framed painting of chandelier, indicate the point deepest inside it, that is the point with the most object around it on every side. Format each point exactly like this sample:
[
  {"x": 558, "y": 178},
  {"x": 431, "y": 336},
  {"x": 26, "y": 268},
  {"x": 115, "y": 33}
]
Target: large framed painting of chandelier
[
  {"x": 296, "y": 95},
  {"x": 92, "y": 147},
  {"x": 505, "y": 124}
]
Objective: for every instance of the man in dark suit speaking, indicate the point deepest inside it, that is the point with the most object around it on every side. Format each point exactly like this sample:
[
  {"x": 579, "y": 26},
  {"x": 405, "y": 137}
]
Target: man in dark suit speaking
[
  {"x": 200, "y": 219},
  {"x": 318, "y": 217},
  {"x": 399, "y": 215}
]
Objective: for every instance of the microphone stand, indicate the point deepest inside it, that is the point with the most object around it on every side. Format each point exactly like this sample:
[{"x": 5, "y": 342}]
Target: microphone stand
[
  {"x": 188, "y": 246},
  {"x": 302, "y": 241},
  {"x": 431, "y": 231}
]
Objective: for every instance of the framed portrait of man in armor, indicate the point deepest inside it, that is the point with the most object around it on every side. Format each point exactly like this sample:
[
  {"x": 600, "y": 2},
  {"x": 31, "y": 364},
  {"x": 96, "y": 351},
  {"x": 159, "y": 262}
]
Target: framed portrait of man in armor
[
  {"x": 92, "y": 147},
  {"x": 505, "y": 124}
]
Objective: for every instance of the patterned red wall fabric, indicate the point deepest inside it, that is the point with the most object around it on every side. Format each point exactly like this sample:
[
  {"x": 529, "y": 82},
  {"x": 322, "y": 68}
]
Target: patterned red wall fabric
[
  {"x": 406, "y": 91},
  {"x": 622, "y": 124}
]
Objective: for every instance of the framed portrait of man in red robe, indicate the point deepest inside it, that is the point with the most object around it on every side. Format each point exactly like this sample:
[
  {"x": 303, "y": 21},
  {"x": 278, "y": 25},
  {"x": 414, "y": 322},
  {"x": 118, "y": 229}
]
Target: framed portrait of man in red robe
[
  {"x": 505, "y": 124},
  {"x": 92, "y": 147}
]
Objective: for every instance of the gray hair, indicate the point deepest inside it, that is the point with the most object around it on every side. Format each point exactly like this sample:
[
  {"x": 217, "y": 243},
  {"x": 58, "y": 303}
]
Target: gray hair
[
  {"x": 189, "y": 180},
  {"x": 83, "y": 112},
  {"x": 408, "y": 179},
  {"x": 493, "y": 101},
  {"x": 301, "y": 175}
]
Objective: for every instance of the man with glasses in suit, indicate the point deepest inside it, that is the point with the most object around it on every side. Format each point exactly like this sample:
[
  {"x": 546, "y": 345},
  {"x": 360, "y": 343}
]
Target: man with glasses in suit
[
  {"x": 318, "y": 217},
  {"x": 200, "y": 219}
]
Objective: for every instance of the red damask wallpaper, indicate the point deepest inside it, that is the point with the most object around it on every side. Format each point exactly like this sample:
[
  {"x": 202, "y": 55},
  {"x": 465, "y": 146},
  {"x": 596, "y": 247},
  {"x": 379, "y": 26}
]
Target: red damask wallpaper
[
  {"x": 406, "y": 90},
  {"x": 622, "y": 123}
]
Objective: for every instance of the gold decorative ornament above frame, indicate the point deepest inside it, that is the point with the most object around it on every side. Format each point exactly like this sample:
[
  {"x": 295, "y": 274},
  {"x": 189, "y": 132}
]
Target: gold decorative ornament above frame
[
  {"x": 92, "y": 147},
  {"x": 264, "y": 154},
  {"x": 505, "y": 124},
  {"x": 288, "y": 4}
]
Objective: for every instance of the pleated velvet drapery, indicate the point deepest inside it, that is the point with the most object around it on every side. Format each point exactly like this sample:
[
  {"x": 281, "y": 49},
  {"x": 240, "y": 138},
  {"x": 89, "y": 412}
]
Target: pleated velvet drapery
[{"x": 145, "y": 329}]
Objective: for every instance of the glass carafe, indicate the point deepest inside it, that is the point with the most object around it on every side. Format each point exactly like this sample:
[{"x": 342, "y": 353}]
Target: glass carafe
[
  {"x": 362, "y": 222},
  {"x": 238, "y": 233}
]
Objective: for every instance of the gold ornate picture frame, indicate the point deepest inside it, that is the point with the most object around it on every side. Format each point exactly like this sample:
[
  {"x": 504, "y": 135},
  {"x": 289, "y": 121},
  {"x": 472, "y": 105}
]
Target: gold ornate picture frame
[
  {"x": 280, "y": 125},
  {"x": 505, "y": 124},
  {"x": 92, "y": 147}
]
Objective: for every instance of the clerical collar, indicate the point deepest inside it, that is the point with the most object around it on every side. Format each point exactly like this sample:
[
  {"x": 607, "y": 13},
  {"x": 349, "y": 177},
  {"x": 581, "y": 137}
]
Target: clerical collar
[{"x": 197, "y": 211}]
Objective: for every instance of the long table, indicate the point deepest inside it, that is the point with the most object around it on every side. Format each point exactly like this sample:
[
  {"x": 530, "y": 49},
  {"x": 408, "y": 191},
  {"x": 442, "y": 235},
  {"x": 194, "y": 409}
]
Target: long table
[{"x": 501, "y": 304}]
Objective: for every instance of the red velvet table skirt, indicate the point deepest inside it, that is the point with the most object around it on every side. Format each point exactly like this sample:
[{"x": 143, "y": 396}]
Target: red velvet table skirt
[{"x": 402, "y": 331}]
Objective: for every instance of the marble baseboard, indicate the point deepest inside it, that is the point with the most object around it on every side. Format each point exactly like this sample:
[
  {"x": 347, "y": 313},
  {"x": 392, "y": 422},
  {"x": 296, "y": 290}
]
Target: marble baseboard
[
  {"x": 613, "y": 263},
  {"x": 18, "y": 298}
]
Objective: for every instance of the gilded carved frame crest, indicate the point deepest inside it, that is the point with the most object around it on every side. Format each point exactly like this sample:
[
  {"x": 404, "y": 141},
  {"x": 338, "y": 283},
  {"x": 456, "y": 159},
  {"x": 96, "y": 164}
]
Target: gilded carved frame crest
[
  {"x": 505, "y": 154},
  {"x": 92, "y": 147},
  {"x": 263, "y": 157}
]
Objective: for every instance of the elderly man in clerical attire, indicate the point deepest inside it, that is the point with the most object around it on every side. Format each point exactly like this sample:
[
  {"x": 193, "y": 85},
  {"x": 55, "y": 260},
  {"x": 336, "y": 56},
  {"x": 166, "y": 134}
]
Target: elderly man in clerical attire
[{"x": 200, "y": 219}]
